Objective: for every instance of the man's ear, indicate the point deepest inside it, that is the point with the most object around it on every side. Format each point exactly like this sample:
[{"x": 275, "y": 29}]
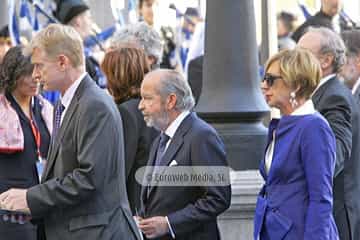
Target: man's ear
[
  {"x": 171, "y": 101},
  {"x": 63, "y": 62},
  {"x": 326, "y": 61}
]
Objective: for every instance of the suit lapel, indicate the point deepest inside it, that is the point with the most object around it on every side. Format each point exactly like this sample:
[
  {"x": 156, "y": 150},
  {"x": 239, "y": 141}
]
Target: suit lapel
[
  {"x": 177, "y": 140},
  {"x": 55, "y": 144},
  {"x": 152, "y": 155},
  {"x": 172, "y": 149},
  {"x": 357, "y": 95},
  {"x": 174, "y": 146},
  {"x": 150, "y": 164},
  {"x": 320, "y": 92}
]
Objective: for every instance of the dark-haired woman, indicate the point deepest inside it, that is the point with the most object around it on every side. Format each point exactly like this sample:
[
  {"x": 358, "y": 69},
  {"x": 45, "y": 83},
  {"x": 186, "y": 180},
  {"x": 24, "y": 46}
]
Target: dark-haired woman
[
  {"x": 26, "y": 123},
  {"x": 125, "y": 69}
]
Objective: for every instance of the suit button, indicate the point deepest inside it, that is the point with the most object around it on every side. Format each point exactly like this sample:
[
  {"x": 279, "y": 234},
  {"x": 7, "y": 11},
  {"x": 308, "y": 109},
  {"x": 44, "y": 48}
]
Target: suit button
[{"x": 274, "y": 210}]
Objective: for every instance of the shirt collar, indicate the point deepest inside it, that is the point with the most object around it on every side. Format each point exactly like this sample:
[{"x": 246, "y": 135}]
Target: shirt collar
[
  {"x": 323, "y": 81},
  {"x": 356, "y": 86},
  {"x": 69, "y": 93},
  {"x": 170, "y": 131},
  {"x": 306, "y": 108}
]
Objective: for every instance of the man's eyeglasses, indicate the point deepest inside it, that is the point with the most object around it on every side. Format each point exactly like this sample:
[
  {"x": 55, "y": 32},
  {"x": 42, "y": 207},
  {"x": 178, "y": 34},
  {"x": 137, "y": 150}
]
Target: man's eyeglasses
[{"x": 270, "y": 79}]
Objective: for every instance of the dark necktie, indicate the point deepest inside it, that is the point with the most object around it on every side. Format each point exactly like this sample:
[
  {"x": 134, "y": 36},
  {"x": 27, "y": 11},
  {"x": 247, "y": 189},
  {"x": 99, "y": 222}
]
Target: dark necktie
[
  {"x": 57, "y": 118},
  {"x": 159, "y": 154},
  {"x": 161, "y": 148}
]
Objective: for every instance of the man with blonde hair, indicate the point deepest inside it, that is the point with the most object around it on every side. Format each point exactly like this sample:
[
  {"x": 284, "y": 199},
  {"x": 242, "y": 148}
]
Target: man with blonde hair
[{"x": 82, "y": 194}]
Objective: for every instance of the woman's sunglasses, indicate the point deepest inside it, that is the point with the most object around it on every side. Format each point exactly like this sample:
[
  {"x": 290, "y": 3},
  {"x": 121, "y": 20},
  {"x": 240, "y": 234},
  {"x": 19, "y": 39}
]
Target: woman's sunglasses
[{"x": 270, "y": 79}]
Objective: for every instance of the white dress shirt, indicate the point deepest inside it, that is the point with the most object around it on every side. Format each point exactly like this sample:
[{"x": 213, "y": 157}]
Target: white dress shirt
[
  {"x": 69, "y": 94},
  {"x": 356, "y": 86},
  {"x": 170, "y": 131}
]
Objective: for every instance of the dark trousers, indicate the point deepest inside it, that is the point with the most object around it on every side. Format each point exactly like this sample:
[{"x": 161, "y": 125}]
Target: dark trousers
[{"x": 343, "y": 224}]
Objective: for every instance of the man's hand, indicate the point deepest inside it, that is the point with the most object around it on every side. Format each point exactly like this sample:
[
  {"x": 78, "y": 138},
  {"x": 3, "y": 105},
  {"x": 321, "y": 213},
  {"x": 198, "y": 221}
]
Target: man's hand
[
  {"x": 14, "y": 200},
  {"x": 154, "y": 227}
]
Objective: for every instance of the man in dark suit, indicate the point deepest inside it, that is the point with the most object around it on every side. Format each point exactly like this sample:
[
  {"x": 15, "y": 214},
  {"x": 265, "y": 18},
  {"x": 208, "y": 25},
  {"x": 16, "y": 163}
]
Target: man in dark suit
[
  {"x": 351, "y": 70},
  {"x": 181, "y": 212},
  {"x": 335, "y": 102},
  {"x": 323, "y": 18},
  {"x": 82, "y": 194}
]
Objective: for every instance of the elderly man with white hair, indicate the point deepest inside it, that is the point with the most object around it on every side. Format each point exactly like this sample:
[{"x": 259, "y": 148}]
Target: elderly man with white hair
[{"x": 144, "y": 37}]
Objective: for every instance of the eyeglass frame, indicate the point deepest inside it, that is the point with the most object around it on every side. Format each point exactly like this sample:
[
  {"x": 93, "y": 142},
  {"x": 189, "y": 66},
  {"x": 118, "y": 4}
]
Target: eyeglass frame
[{"x": 270, "y": 78}]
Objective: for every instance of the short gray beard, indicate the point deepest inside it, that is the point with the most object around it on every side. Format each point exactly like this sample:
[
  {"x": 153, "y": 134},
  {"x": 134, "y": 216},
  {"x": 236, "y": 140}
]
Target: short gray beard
[{"x": 160, "y": 122}]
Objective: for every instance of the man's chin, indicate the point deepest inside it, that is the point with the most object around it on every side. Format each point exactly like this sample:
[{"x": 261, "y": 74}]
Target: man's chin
[
  {"x": 153, "y": 124},
  {"x": 148, "y": 122}
]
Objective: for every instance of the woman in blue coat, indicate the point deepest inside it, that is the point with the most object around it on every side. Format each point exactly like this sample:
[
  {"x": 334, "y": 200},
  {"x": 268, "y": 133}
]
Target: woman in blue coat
[{"x": 296, "y": 199}]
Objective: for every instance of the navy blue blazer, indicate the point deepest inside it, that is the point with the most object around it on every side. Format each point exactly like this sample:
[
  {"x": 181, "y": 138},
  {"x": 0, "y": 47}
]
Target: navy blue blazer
[
  {"x": 192, "y": 210},
  {"x": 296, "y": 199}
]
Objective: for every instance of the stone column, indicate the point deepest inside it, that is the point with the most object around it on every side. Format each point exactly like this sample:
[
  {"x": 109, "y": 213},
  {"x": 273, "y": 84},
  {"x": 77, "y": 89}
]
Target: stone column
[
  {"x": 237, "y": 221},
  {"x": 3, "y": 13},
  {"x": 231, "y": 99},
  {"x": 269, "y": 43}
]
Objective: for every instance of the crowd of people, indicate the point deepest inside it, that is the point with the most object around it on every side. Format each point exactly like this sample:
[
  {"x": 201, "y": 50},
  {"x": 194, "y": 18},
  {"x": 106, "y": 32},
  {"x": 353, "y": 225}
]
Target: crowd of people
[{"x": 70, "y": 170}]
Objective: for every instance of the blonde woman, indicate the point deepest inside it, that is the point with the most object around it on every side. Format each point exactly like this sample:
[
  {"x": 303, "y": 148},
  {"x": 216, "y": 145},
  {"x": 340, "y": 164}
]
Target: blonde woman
[{"x": 296, "y": 200}]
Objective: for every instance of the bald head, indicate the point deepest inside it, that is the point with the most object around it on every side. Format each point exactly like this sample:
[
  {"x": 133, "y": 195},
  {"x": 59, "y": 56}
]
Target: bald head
[
  {"x": 327, "y": 46},
  {"x": 311, "y": 41}
]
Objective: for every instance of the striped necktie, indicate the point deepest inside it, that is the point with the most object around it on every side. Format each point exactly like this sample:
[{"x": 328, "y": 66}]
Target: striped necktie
[{"x": 59, "y": 109}]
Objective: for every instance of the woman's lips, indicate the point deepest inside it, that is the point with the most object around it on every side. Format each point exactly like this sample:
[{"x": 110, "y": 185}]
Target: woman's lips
[{"x": 268, "y": 97}]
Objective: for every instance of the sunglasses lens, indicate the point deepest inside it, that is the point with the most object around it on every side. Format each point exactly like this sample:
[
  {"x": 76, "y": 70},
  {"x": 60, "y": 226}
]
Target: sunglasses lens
[{"x": 269, "y": 79}]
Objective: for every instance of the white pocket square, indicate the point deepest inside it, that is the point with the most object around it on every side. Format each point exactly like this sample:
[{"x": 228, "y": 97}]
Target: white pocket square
[{"x": 173, "y": 163}]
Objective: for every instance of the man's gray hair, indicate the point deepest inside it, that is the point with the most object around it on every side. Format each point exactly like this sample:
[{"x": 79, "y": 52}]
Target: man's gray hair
[
  {"x": 332, "y": 43},
  {"x": 141, "y": 34},
  {"x": 173, "y": 82}
]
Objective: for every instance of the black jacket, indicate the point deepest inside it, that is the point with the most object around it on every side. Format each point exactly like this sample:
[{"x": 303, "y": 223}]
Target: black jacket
[
  {"x": 138, "y": 139},
  {"x": 336, "y": 103}
]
